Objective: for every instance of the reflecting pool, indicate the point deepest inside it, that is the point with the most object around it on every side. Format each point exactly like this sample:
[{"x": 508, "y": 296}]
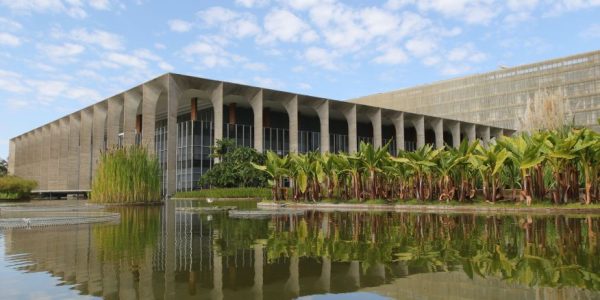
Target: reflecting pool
[{"x": 165, "y": 253}]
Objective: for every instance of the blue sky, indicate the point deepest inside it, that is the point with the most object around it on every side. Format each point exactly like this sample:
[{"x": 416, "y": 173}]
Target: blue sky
[{"x": 57, "y": 56}]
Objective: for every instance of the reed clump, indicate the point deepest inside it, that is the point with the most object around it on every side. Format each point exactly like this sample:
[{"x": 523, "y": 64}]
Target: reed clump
[{"x": 128, "y": 175}]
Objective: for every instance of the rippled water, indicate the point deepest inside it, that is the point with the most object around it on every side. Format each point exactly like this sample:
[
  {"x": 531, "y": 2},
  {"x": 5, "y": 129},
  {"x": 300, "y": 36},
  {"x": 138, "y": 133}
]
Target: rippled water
[{"x": 162, "y": 253}]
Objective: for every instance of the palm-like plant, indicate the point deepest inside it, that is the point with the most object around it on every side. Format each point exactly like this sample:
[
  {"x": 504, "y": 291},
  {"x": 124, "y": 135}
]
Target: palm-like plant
[
  {"x": 276, "y": 168},
  {"x": 373, "y": 161},
  {"x": 422, "y": 162},
  {"x": 489, "y": 162}
]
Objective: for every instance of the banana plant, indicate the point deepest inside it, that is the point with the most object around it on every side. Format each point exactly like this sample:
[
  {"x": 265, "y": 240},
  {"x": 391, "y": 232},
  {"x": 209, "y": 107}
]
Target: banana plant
[
  {"x": 489, "y": 162},
  {"x": 276, "y": 168}
]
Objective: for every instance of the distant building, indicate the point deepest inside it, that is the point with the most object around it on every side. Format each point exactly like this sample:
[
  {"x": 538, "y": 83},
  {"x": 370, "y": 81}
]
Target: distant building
[
  {"x": 176, "y": 115},
  {"x": 498, "y": 98}
]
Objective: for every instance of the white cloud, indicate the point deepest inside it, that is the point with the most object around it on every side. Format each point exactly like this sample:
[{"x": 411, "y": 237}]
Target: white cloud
[
  {"x": 255, "y": 66},
  {"x": 48, "y": 90},
  {"x": 252, "y": 3},
  {"x": 378, "y": 21},
  {"x": 268, "y": 82},
  {"x": 431, "y": 60},
  {"x": 421, "y": 46},
  {"x": 321, "y": 57},
  {"x": 306, "y": 4},
  {"x": 83, "y": 94},
  {"x": 100, "y": 4},
  {"x": 231, "y": 23},
  {"x": 453, "y": 70},
  {"x": 563, "y": 6},
  {"x": 12, "y": 82},
  {"x": 126, "y": 60},
  {"x": 284, "y": 26},
  {"x": 466, "y": 52},
  {"x": 165, "y": 66},
  {"x": 470, "y": 11},
  {"x": 8, "y": 39},
  {"x": 520, "y": 5},
  {"x": 66, "y": 50},
  {"x": 10, "y": 25},
  {"x": 73, "y": 8},
  {"x": 179, "y": 25},
  {"x": 210, "y": 53},
  {"x": 104, "y": 39},
  {"x": 398, "y": 4},
  {"x": 392, "y": 56}
]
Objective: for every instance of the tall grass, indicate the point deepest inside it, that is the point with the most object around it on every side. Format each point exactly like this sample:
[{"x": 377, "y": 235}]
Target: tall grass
[{"x": 126, "y": 175}]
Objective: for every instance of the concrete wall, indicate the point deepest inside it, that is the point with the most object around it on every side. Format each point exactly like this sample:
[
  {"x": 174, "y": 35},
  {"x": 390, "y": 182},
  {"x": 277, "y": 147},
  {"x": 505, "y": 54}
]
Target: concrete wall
[{"x": 499, "y": 98}]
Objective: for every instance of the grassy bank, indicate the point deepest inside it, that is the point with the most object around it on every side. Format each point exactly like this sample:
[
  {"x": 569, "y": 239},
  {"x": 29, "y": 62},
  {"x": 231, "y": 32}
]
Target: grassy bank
[{"x": 244, "y": 192}]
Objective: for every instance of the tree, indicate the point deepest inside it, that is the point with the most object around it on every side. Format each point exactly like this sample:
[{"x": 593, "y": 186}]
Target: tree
[
  {"x": 3, "y": 167},
  {"x": 234, "y": 168}
]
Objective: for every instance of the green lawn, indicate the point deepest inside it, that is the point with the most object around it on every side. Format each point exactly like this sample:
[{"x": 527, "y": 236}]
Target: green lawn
[{"x": 248, "y": 192}]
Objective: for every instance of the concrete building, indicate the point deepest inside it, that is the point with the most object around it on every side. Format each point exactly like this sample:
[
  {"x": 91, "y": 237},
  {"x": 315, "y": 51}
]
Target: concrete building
[
  {"x": 175, "y": 116},
  {"x": 499, "y": 98}
]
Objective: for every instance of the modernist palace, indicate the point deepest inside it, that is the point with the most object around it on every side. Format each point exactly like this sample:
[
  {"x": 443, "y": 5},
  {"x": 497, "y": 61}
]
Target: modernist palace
[{"x": 180, "y": 117}]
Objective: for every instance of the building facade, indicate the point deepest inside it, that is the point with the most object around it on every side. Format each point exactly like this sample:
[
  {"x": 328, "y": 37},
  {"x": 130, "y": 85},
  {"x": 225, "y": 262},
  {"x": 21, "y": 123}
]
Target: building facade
[
  {"x": 499, "y": 98},
  {"x": 175, "y": 116}
]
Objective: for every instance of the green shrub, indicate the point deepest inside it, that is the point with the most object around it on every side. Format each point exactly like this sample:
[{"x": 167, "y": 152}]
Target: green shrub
[
  {"x": 13, "y": 187},
  {"x": 247, "y": 192},
  {"x": 126, "y": 175},
  {"x": 234, "y": 168}
]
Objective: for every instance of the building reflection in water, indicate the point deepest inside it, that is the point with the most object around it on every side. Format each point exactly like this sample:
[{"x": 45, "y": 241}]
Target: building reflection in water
[{"x": 158, "y": 253}]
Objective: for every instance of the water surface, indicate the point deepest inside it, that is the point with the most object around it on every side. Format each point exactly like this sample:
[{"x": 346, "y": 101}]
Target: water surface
[{"x": 160, "y": 253}]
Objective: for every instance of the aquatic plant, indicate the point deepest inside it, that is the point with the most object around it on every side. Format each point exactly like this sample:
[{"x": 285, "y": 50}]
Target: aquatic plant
[{"x": 126, "y": 175}]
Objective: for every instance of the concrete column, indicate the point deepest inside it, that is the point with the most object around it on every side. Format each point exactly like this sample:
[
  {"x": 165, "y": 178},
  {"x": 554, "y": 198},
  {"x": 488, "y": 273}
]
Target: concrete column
[
  {"x": 45, "y": 158},
  {"x": 325, "y": 278},
  {"x": 132, "y": 100},
  {"x": 323, "y": 112},
  {"x": 12, "y": 147},
  {"x": 85, "y": 149},
  {"x": 398, "y": 120},
  {"x": 150, "y": 94},
  {"x": 485, "y": 135},
  {"x": 217, "y": 101},
  {"x": 438, "y": 128},
  {"x": 173, "y": 95},
  {"x": 113, "y": 120},
  {"x": 455, "y": 130},
  {"x": 54, "y": 154},
  {"x": 293, "y": 283},
  {"x": 17, "y": 156},
  {"x": 217, "y": 291},
  {"x": 350, "y": 114},
  {"x": 419, "y": 124},
  {"x": 64, "y": 153},
  {"x": 170, "y": 251},
  {"x": 258, "y": 271},
  {"x": 291, "y": 106},
  {"x": 73, "y": 169},
  {"x": 470, "y": 131},
  {"x": 98, "y": 132},
  {"x": 376, "y": 124},
  {"x": 256, "y": 102},
  {"x": 354, "y": 273},
  {"x": 37, "y": 151},
  {"x": 25, "y": 151}
]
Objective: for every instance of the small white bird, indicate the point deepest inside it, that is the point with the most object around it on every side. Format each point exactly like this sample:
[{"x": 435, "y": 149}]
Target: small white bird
[
  {"x": 27, "y": 221},
  {"x": 210, "y": 200}
]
